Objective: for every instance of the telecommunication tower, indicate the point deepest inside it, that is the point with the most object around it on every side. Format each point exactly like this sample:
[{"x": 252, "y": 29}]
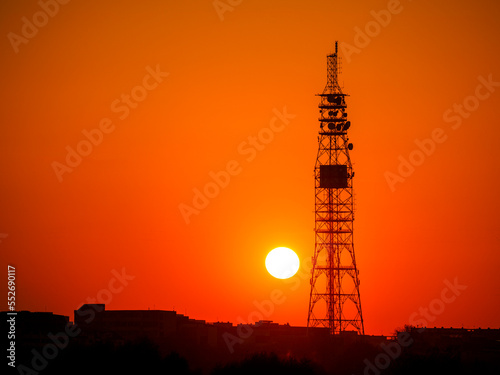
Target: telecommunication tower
[{"x": 334, "y": 300}]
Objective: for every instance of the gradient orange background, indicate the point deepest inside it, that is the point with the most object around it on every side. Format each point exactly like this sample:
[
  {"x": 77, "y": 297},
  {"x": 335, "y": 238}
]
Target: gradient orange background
[{"x": 120, "y": 206}]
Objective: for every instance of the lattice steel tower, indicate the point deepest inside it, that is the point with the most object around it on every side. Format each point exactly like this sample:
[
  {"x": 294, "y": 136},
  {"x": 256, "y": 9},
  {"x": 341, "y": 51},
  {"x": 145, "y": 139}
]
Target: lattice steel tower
[{"x": 334, "y": 300}]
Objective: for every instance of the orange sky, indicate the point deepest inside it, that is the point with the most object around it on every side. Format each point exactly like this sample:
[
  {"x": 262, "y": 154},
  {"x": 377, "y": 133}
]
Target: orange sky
[{"x": 229, "y": 72}]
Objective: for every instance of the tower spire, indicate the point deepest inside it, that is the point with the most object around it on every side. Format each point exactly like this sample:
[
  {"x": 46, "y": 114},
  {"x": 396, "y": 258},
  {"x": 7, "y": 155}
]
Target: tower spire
[
  {"x": 334, "y": 300},
  {"x": 333, "y": 71}
]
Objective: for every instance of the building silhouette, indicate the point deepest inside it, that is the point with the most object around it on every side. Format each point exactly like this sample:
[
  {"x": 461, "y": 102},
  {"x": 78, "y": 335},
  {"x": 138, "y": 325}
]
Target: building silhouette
[{"x": 121, "y": 336}]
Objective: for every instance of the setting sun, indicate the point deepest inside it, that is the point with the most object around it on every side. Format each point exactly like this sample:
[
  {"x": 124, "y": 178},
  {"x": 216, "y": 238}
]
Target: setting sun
[{"x": 282, "y": 263}]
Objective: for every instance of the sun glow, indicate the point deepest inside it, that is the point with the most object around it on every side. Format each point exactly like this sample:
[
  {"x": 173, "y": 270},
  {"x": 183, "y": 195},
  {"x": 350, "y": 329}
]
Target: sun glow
[{"x": 282, "y": 263}]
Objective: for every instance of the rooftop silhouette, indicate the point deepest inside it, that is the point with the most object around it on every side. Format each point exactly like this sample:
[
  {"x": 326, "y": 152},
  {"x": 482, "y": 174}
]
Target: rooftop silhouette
[{"x": 142, "y": 341}]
